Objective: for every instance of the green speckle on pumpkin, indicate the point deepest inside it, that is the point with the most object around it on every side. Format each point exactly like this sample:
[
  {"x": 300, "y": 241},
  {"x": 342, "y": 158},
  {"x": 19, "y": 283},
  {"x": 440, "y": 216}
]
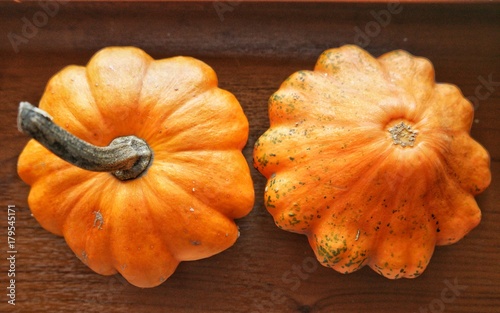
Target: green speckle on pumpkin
[
  {"x": 294, "y": 221},
  {"x": 263, "y": 160},
  {"x": 269, "y": 203}
]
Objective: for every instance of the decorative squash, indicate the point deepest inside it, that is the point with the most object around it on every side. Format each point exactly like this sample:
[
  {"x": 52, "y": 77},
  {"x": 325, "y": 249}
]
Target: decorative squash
[
  {"x": 372, "y": 160},
  {"x": 170, "y": 184}
]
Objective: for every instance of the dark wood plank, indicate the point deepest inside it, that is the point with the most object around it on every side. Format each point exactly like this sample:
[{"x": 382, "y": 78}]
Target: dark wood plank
[{"x": 253, "y": 47}]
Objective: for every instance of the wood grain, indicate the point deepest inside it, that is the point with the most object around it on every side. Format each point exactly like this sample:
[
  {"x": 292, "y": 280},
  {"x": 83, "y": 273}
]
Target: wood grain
[{"x": 253, "y": 47}]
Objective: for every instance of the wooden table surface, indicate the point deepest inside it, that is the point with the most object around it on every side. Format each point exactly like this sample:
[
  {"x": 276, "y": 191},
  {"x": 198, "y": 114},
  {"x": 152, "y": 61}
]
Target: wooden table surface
[{"x": 253, "y": 47}]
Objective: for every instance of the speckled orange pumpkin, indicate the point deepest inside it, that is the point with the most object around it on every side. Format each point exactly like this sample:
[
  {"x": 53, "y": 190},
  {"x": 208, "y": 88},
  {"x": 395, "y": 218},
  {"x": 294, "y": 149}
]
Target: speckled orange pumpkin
[{"x": 372, "y": 160}]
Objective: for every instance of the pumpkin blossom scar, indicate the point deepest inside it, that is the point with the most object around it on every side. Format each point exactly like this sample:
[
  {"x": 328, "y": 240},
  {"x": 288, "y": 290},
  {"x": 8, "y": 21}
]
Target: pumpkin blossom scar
[{"x": 403, "y": 135}]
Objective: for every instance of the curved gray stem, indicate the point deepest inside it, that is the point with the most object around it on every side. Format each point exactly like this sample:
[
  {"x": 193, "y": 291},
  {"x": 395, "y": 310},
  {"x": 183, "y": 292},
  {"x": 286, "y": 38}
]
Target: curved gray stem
[{"x": 125, "y": 157}]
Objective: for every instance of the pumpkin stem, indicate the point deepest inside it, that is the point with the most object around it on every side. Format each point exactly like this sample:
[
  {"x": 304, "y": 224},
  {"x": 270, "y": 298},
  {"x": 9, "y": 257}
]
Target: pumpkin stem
[{"x": 125, "y": 157}]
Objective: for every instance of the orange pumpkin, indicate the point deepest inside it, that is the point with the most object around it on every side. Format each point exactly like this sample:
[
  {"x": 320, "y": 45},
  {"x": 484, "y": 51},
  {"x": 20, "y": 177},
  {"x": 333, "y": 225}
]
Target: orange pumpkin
[
  {"x": 372, "y": 160},
  {"x": 174, "y": 123}
]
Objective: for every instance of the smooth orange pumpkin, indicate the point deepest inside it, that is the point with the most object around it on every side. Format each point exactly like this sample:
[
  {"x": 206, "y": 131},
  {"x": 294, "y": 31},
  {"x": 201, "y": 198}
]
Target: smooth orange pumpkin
[
  {"x": 372, "y": 160},
  {"x": 182, "y": 206}
]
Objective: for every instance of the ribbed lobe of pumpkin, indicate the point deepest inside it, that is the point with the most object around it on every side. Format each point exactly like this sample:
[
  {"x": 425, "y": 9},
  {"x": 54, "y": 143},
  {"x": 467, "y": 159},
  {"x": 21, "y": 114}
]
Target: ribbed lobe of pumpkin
[
  {"x": 183, "y": 207},
  {"x": 338, "y": 174}
]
